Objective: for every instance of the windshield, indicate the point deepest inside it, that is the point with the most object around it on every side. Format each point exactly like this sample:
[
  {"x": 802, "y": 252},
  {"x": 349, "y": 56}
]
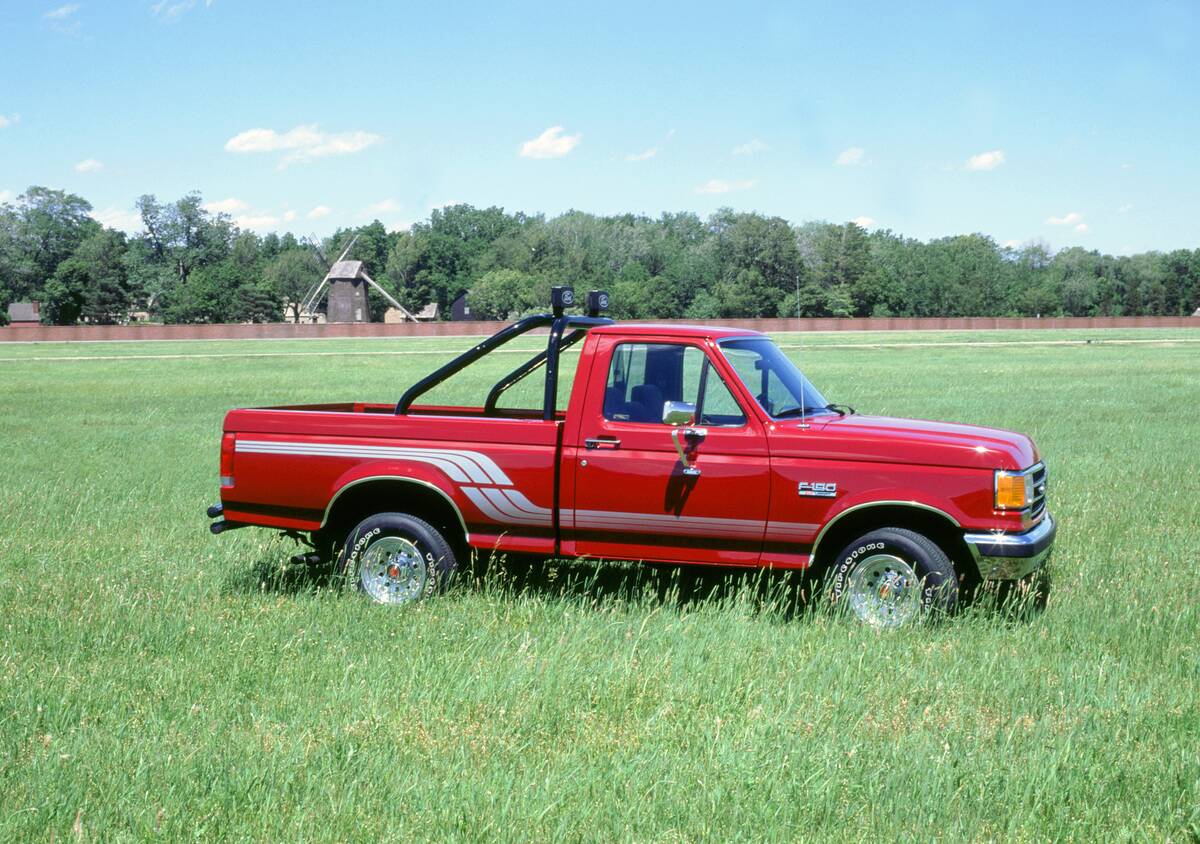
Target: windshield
[{"x": 774, "y": 381}]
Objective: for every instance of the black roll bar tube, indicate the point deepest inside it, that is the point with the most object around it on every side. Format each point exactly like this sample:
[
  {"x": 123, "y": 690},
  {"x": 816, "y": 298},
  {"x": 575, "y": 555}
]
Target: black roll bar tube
[
  {"x": 470, "y": 356},
  {"x": 518, "y": 374},
  {"x": 498, "y": 339}
]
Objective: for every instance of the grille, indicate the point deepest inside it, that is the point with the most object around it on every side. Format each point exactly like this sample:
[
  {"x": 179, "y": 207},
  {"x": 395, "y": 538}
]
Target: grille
[{"x": 1038, "y": 506}]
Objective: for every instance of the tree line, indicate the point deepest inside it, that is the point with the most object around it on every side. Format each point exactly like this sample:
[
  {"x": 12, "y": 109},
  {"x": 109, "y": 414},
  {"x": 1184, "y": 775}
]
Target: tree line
[{"x": 187, "y": 264}]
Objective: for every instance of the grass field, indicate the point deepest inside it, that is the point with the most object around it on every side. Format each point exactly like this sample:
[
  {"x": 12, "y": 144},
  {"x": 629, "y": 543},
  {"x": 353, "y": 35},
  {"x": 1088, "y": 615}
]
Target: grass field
[{"x": 156, "y": 681}]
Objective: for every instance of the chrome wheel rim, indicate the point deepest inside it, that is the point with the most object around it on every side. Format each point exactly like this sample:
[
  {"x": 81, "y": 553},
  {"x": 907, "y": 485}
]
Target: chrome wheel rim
[
  {"x": 884, "y": 591},
  {"x": 393, "y": 571}
]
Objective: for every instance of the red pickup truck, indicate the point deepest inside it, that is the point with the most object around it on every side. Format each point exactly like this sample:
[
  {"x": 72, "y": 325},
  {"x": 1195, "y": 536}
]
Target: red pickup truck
[{"x": 677, "y": 444}]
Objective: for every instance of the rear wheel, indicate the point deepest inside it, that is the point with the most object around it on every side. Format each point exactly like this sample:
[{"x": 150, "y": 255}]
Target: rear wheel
[
  {"x": 893, "y": 577},
  {"x": 394, "y": 558}
]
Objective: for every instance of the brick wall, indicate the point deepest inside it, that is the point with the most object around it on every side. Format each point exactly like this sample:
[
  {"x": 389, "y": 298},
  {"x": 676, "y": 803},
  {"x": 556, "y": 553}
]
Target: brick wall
[{"x": 279, "y": 330}]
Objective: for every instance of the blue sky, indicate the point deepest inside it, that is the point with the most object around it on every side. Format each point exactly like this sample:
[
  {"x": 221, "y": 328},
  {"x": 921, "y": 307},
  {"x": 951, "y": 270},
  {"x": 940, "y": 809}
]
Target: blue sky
[{"x": 1074, "y": 123}]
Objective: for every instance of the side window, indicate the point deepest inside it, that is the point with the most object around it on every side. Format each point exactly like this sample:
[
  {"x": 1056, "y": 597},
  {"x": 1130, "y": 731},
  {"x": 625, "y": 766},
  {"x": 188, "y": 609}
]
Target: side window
[
  {"x": 719, "y": 407},
  {"x": 642, "y": 377}
]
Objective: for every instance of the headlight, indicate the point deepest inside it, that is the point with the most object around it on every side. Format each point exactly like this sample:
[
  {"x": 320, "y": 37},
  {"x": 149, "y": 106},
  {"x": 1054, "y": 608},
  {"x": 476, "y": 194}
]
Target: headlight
[{"x": 1014, "y": 490}]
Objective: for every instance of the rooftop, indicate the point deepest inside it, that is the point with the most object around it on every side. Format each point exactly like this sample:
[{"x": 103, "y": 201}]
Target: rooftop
[
  {"x": 650, "y": 329},
  {"x": 23, "y": 312},
  {"x": 346, "y": 269}
]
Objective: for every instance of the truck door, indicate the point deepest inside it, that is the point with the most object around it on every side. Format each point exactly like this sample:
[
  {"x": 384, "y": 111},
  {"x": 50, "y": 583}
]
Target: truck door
[{"x": 634, "y": 498}]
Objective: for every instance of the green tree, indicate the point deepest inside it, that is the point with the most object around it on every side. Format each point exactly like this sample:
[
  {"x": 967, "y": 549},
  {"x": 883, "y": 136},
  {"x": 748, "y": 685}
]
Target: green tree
[
  {"x": 500, "y": 294},
  {"x": 292, "y": 275},
  {"x": 179, "y": 238},
  {"x": 109, "y": 293}
]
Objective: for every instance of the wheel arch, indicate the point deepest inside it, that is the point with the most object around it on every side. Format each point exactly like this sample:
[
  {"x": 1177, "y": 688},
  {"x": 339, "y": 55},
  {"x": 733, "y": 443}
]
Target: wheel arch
[
  {"x": 933, "y": 522},
  {"x": 366, "y": 496}
]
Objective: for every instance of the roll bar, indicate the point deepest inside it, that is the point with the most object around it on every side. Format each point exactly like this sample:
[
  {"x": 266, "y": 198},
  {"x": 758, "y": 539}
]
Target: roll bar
[{"x": 558, "y": 323}]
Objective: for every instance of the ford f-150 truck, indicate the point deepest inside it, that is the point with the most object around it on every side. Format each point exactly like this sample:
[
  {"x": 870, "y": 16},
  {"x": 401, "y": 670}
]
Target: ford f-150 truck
[{"x": 677, "y": 444}]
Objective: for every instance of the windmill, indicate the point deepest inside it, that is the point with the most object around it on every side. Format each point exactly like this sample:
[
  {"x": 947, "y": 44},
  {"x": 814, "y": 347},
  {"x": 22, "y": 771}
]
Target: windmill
[{"x": 344, "y": 284}]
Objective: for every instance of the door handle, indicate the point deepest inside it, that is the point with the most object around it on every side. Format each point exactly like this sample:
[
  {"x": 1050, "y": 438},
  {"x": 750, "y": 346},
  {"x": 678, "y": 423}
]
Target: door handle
[{"x": 602, "y": 442}]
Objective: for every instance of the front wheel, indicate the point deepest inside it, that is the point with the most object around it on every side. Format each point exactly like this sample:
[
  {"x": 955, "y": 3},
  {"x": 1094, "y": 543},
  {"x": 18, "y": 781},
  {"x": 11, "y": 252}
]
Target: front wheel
[
  {"x": 394, "y": 558},
  {"x": 894, "y": 577}
]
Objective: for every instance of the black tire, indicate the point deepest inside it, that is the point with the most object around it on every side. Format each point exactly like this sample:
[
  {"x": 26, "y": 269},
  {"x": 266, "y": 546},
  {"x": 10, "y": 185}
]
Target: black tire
[
  {"x": 863, "y": 568},
  {"x": 406, "y": 580}
]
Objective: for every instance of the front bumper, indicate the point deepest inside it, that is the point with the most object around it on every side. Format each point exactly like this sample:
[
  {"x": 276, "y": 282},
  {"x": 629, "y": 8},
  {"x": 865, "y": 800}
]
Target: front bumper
[{"x": 1010, "y": 556}]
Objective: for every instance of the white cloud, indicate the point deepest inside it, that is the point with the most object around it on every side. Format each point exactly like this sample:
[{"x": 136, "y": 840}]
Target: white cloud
[
  {"x": 644, "y": 155},
  {"x": 118, "y": 218},
  {"x": 384, "y": 206},
  {"x": 1071, "y": 218},
  {"x": 851, "y": 157},
  {"x": 1082, "y": 228},
  {"x": 6, "y": 196},
  {"x": 1126, "y": 166},
  {"x": 1126, "y": 208},
  {"x": 256, "y": 221},
  {"x": 9, "y": 121},
  {"x": 289, "y": 215},
  {"x": 986, "y": 160},
  {"x": 318, "y": 212},
  {"x": 89, "y": 165},
  {"x": 62, "y": 12},
  {"x": 168, "y": 11},
  {"x": 62, "y": 19},
  {"x": 713, "y": 186},
  {"x": 550, "y": 144},
  {"x": 864, "y": 222},
  {"x": 302, "y": 144},
  {"x": 225, "y": 206},
  {"x": 650, "y": 152},
  {"x": 1011, "y": 244},
  {"x": 751, "y": 147}
]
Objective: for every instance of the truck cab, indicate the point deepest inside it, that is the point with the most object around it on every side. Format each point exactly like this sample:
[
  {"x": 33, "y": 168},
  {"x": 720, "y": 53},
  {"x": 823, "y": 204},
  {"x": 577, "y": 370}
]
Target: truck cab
[{"x": 676, "y": 444}]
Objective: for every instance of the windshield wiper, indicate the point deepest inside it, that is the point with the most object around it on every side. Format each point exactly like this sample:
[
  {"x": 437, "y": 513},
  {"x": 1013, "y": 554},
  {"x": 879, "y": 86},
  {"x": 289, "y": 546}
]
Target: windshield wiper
[
  {"x": 841, "y": 409},
  {"x": 795, "y": 411}
]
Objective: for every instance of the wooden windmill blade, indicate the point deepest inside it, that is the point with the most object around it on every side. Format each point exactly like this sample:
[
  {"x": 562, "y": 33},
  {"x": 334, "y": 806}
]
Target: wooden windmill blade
[
  {"x": 314, "y": 296},
  {"x": 405, "y": 311}
]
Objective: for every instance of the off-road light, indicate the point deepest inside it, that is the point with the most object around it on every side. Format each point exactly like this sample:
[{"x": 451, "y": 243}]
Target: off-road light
[
  {"x": 561, "y": 298},
  {"x": 1013, "y": 491},
  {"x": 597, "y": 301}
]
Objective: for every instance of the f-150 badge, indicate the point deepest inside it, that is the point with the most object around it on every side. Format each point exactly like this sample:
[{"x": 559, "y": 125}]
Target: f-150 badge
[{"x": 813, "y": 490}]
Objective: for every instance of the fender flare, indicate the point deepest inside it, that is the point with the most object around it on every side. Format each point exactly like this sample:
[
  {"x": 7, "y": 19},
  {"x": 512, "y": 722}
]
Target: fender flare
[
  {"x": 877, "y": 502},
  {"x": 394, "y": 473}
]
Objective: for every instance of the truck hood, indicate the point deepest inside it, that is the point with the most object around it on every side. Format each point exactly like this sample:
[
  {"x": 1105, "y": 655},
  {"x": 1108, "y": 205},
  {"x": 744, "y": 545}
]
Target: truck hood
[{"x": 892, "y": 440}]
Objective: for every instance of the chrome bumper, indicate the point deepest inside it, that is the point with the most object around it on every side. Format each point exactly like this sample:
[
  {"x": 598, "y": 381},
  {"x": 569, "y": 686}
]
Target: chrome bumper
[{"x": 1009, "y": 556}]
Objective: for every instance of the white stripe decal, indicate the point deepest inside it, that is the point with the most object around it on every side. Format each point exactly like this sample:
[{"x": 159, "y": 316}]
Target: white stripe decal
[
  {"x": 511, "y": 506},
  {"x": 524, "y": 504},
  {"x": 486, "y": 507},
  {"x": 468, "y": 465},
  {"x": 501, "y": 503},
  {"x": 791, "y": 527}
]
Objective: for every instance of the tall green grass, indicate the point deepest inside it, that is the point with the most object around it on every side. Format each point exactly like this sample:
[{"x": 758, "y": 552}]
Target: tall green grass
[{"x": 159, "y": 682}]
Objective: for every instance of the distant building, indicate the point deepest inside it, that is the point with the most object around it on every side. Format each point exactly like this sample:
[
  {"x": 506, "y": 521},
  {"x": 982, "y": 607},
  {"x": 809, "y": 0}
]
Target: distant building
[
  {"x": 24, "y": 315},
  {"x": 460, "y": 309},
  {"x": 347, "y": 293},
  {"x": 428, "y": 313}
]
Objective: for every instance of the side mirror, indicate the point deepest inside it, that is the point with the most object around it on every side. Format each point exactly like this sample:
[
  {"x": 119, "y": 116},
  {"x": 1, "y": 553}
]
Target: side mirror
[{"x": 679, "y": 413}]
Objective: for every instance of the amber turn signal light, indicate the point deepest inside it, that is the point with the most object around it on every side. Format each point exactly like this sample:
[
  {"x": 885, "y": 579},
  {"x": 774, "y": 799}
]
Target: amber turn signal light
[{"x": 1011, "y": 491}]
